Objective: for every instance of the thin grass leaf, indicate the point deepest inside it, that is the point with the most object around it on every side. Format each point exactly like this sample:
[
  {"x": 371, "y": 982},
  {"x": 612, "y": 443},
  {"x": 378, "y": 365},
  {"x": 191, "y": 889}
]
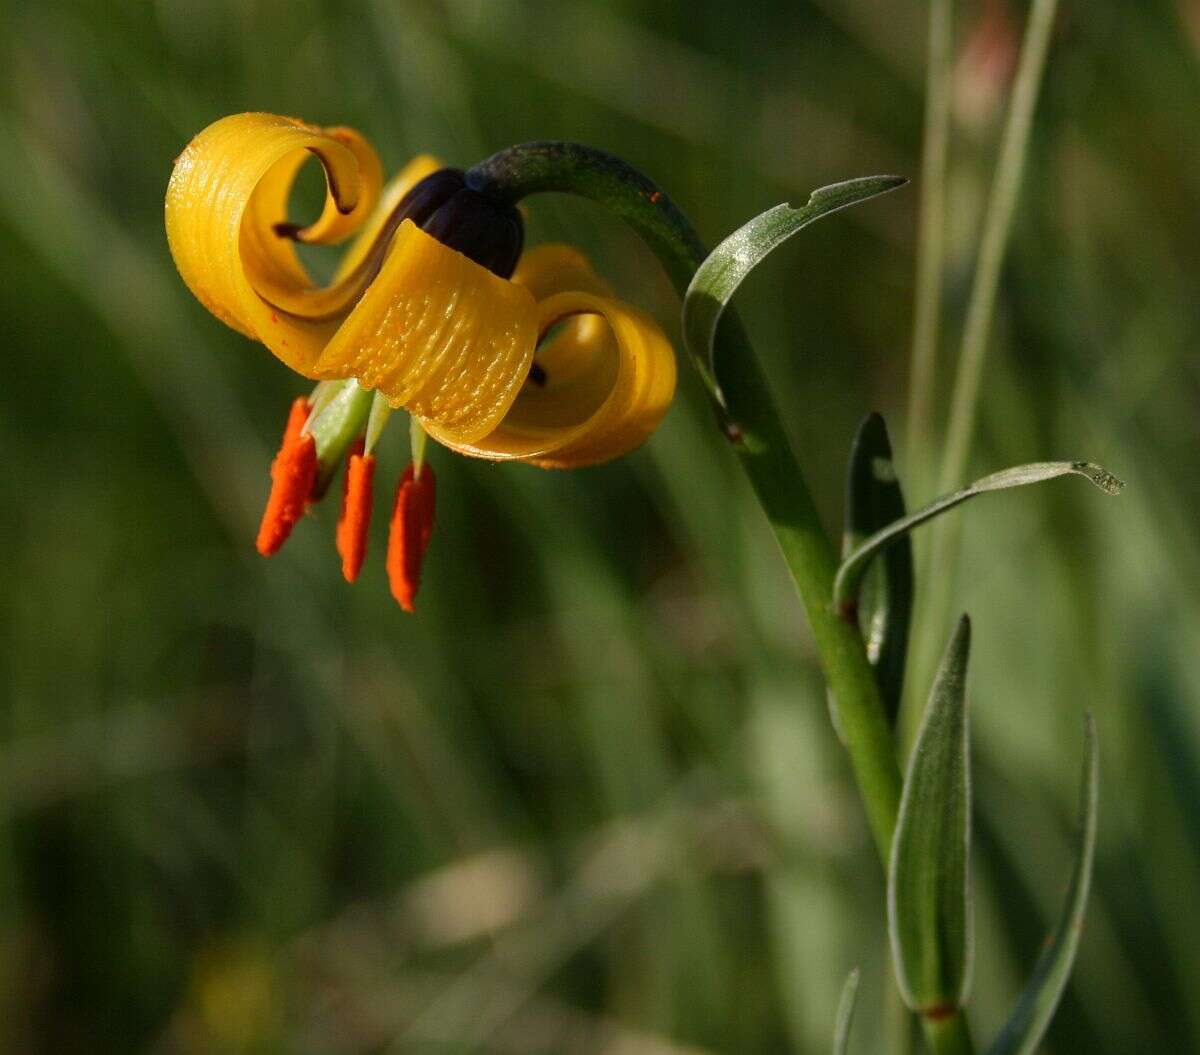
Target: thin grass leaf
[
  {"x": 845, "y": 1014},
  {"x": 929, "y": 882},
  {"x": 884, "y": 603},
  {"x": 726, "y": 267},
  {"x": 1036, "y": 1005},
  {"x": 850, "y": 574}
]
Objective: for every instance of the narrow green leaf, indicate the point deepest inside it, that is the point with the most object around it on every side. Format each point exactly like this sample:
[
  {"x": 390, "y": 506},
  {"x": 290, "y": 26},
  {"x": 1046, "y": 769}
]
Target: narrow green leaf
[
  {"x": 845, "y": 1014},
  {"x": 726, "y": 267},
  {"x": 929, "y": 883},
  {"x": 1036, "y": 1005},
  {"x": 850, "y": 574},
  {"x": 884, "y": 603}
]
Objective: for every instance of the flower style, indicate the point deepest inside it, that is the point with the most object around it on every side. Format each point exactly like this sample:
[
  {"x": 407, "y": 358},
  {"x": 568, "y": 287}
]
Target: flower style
[{"x": 495, "y": 352}]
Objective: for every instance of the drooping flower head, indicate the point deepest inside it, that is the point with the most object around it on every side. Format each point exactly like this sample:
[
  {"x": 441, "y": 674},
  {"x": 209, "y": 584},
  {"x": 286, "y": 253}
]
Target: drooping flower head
[{"x": 495, "y": 351}]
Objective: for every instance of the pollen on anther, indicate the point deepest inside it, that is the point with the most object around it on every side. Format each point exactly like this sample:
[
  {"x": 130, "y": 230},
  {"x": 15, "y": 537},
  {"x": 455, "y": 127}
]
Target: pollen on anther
[
  {"x": 409, "y": 534},
  {"x": 298, "y": 414},
  {"x": 293, "y": 473},
  {"x": 355, "y": 520}
]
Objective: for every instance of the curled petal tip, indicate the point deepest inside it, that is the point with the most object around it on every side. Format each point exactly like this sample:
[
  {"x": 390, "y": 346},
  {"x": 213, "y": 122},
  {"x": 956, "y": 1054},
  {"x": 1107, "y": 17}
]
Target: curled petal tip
[
  {"x": 355, "y": 519},
  {"x": 408, "y": 538}
]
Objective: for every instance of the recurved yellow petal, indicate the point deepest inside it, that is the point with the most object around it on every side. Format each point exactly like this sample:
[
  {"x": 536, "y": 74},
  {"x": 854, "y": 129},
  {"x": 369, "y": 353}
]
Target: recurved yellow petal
[
  {"x": 440, "y": 335},
  {"x": 227, "y": 194},
  {"x": 605, "y": 389}
]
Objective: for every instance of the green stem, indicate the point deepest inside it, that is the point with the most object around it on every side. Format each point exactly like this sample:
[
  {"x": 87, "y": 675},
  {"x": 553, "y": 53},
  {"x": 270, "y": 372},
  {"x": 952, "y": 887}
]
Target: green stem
[
  {"x": 751, "y": 424},
  {"x": 753, "y": 428},
  {"x": 931, "y": 237}
]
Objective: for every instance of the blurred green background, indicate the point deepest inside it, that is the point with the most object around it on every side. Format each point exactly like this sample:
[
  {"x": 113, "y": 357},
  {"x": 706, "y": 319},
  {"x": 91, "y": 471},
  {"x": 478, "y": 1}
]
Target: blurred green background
[{"x": 588, "y": 799}]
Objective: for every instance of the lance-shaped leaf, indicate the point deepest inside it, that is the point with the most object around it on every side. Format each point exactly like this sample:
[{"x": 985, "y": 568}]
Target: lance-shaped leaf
[
  {"x": 884, "y": 602},
  {"x": 1036, "y": 1005},
  {"x": 845, "y": 1014},
  {"x": 929, "y": 883},
  {"x": 850, "y": 574},
  {"x": 726, "y": 267}
]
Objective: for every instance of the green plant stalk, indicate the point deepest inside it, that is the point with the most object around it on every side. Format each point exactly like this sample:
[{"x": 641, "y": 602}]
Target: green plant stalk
[
  {"x": 748, "y": 418},
  {"x": 752, "y": 425},
  {"x": 960, "y": 430},
  {"x": 931, "y": 238}
]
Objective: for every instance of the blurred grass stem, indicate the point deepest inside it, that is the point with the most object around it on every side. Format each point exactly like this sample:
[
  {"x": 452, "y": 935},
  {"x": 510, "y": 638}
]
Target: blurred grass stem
[
  {"x": 1014, "y": 151},
  {"x": 931, "y": 231},
  {"x": 964, "y": 405}
]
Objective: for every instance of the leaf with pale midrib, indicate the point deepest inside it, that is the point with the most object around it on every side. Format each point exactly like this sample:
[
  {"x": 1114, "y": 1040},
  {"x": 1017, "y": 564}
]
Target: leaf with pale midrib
[
  {"x": 850, "y": 574},
  {"x": 929, "y": 883},
  {"x": 726, "y": 267}
]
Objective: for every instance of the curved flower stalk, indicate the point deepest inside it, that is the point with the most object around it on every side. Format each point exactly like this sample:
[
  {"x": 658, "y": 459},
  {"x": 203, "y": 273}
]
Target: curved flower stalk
[{"x": 496, "y": 351}]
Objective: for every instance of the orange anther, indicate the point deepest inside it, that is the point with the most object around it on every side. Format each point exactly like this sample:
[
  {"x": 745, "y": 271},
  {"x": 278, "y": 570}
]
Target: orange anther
[
  {"x": 408, "y": 537},
  {"x": 293, "y": 473},
  {"x": 297, "y": 415},
  {"x": 356, "y": 511}
]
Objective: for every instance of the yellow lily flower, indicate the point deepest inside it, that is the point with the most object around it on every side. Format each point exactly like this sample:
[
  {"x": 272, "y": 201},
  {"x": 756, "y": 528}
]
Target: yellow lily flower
[
  {"x": 497, "y": 353},
  {"x": 437, "y": 333}
]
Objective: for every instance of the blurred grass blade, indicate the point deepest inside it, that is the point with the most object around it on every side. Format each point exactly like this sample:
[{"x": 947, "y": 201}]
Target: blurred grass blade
[
  {"x": 726, "y": 267},
  {"x": 1036, "y": 1005},
  {"x": 845, "y": 1014},
  {"x": 850, "y": 574},
  {"x": 884, "y": 604},
  {"x": 929, "y": 886}
]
